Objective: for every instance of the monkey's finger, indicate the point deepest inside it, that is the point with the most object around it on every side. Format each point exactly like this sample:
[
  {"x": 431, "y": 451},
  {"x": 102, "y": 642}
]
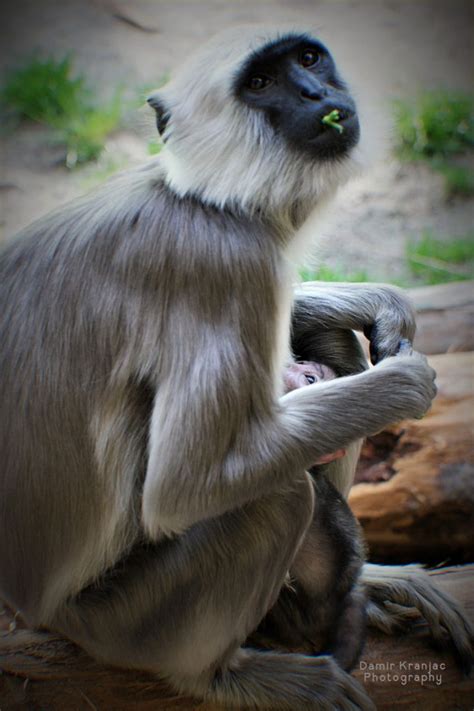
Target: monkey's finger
[
  {"x": 382, "y": 345},
  {"x": 370, "y": 332},
  {"x": 386, "y": 340},
  {"x": 347, "y": 694},
  {"x": 356, "y": 696}
]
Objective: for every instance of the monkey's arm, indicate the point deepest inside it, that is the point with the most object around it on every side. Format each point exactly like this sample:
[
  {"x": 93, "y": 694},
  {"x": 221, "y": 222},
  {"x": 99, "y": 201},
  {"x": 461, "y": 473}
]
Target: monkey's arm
[
  {"x": 384, "y": 313},
  {"x": 199, "y": 466}
]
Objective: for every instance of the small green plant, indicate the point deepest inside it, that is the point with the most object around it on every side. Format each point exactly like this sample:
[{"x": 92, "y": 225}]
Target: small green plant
[
  {"x": 438, "y": 128},
  {"x": 433, "y": 261},
  {"x": 458, "y": 178},
  {"x": 439, "y": 124},
  {"x": 85, "y": 135},
  {"x": 326, "y": 273},
  {"x": 45, "y": 90},
  {"x": 49, "y": 92}
]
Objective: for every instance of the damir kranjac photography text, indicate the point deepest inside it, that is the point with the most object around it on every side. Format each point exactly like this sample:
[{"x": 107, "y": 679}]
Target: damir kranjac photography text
[{"x": 403, "y": 672}]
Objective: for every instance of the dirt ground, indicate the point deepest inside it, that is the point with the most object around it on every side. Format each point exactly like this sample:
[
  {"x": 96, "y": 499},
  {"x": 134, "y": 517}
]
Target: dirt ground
[{"x": 386, "y": 49}]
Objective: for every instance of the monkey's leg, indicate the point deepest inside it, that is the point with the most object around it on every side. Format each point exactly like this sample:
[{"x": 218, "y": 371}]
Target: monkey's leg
[
  {"x": 183, "y": 607},
  {"x": 322, "y": 608}
]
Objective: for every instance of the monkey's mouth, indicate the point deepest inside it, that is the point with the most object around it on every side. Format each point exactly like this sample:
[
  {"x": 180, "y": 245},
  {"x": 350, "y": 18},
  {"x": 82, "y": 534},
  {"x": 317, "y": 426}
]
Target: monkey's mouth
[
  {"x": 335, "y": 131},
  {"x": 336, "y": 118}
]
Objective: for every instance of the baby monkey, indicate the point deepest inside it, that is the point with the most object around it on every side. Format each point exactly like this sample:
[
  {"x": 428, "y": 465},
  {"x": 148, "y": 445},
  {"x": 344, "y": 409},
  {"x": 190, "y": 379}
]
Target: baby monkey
[
  {"x": 307, "y": 372},
  {"x": 322, "y": 607}
]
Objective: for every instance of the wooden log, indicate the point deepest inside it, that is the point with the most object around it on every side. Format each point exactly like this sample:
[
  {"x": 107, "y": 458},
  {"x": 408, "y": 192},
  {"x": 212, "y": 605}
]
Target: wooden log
[
  {"x": 445, "y": 317},
  {"x": 424, "y": 509},
  {"x": 45, "y": 672}
]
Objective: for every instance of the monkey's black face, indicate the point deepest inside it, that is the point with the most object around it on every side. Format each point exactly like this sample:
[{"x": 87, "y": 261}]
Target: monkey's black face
[{"x": 294, "y": 81}]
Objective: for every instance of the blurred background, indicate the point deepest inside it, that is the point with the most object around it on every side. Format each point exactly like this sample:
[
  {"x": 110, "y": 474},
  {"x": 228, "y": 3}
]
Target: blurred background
[{"x": 74, "y": 75}]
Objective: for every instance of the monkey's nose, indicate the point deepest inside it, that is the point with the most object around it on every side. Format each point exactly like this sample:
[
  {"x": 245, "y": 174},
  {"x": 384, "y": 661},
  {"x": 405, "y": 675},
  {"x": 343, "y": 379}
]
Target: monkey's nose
[
  {"x": 312, "y": 89},
  {"x": 314, "y": 94}
]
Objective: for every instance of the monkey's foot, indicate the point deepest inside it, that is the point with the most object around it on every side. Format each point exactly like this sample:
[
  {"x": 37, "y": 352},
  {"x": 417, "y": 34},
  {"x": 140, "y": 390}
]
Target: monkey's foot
[
  {"x": 287, "y": 682},
  {"x": 315, "y": 626},
  {"x": 402, "y": 595}
]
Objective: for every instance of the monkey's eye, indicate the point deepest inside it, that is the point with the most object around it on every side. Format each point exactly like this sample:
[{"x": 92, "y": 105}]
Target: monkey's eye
[
  {"x": 258, "y": 82},
  {"x": 309, "y": 57},
  {"x": 310, "y": 379}
]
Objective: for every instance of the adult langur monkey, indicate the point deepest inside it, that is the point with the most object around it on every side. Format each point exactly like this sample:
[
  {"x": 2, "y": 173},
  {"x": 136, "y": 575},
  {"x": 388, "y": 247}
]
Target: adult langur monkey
[{"x": 154, "y": 494}]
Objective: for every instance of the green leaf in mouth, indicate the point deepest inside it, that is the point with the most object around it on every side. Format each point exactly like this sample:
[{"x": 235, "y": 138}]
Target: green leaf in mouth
[{"x": 332, "y": 119}]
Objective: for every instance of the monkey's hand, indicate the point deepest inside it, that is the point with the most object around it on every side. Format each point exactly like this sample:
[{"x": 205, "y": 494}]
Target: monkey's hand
[
  {"x": 413, "y": 379},
  {"x": 384, "y": 313},
  {"x": 393, "y": 327},
  {"x": 315, "y": 419},
  {"x": 400, "y": 596}
]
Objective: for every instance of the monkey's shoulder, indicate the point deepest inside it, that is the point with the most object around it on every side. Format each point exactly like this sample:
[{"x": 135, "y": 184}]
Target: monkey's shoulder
[{"x": 136, "y": 212}]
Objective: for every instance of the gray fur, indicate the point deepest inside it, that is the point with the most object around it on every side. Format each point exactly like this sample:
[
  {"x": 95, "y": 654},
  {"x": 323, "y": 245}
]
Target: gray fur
[
  {"x": 322, "y": 607},
  {"x": 398, "y": 595},
  {"x": 153, "y": 482},
  {"x": 234, "y": 159},
  {"x": 402, "y": 594}
]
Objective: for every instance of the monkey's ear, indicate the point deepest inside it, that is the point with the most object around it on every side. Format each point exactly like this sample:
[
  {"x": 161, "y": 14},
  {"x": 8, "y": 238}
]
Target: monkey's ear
[{"x": 163, "y": 114}]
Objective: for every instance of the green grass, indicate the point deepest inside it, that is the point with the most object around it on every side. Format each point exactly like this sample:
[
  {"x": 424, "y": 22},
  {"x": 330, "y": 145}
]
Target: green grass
[
  {"x": 45, "y": 90},
  {"x": 50, "y": 92},
  {"x": 438, "y": 127},
  {"x": 434, "y": 261},
  {"x": 429, "y": 260},
  {"x": 326, "y": 273},
  {"x": 437, "y": 124},
  {"x": 85, "y": 135},
  {"x": 459, "y": 179}
]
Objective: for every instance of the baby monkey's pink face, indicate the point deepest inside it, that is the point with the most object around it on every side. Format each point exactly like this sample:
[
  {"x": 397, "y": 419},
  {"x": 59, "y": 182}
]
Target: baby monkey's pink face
[{"x": 307, "y": 372}]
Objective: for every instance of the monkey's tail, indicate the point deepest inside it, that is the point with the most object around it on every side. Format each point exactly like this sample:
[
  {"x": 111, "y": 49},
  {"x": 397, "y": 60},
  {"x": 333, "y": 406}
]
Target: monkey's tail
[{"x": 285, "y": 682}]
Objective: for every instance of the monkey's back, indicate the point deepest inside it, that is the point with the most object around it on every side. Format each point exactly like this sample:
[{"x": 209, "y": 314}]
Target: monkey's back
[
  {"x": 62, "y": 329},
  {"x": 88, "y": 294}
]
